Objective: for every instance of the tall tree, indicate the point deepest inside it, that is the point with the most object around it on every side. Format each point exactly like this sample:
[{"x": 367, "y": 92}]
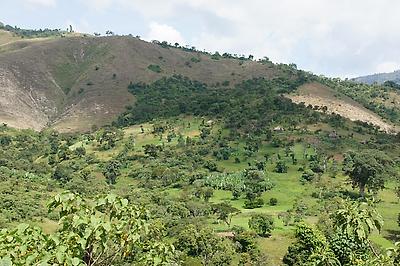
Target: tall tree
[
  {"x": 368, "y": 169},
  {"x": 112, "y": 171}
]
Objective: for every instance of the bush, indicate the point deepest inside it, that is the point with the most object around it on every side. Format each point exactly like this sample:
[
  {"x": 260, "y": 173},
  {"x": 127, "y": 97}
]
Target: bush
[
  {"x": 210, "y": 165},
  {"x": 262, "y": 224},
  {"x": 273, "y": 201},
  {"x": 155, "y": 68},
  {"x": 307, "y": 176},
  {"x": 195, "y": 59},
  {"x": 398, "y": 219},
  {"x": 253, "y": 204},
  {"x": 281, "y": 167}
]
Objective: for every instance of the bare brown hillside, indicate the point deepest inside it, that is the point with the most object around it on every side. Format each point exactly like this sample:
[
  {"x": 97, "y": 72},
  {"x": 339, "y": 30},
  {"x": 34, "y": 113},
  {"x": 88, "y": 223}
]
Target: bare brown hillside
[
  {"x": 316, "y": 94},
  {"x": 75, "y": 82}
]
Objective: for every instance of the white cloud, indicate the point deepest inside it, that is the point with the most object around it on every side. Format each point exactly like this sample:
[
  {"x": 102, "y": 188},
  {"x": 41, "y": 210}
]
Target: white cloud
[
  {"x": 81, "y": 26},
  {"x": 98, "y": 4},
  {"x": 163, "y": 32},
  {"x": 148, "y": 8},
  {"x": 338, "y": 37},
  {"x": 43, "y": 3},
  {"x": 386, "y": 67}
]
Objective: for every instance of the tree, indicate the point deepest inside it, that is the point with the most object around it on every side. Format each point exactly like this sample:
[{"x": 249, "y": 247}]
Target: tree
[
  {"x": 107, "y": 231},
  {"x": 204, "y": 244},
  {"x": 63, "y": 153},
  {"x": 84, "y": 174},
  {"x": 152, "y": 150},
  {"x": 5, "y": 140},
  {"x": 273, "y": 201},
  {"x": 210, "y": 165},
  {"x": 108, "y": 136},
  {"x": 307, "y": 176},
  {"x": 343, "y": 241},
  {"x": 225, "y": 211},
  {"x": 308, "y": 241},
  {"x": 205, "y": 132},
  {"x": 281, "y": 167},
  {"x": 255, "y": 184},
  {"x": 262, "y": 224},
  {"x": 112, "y": 171},
  {"x": 368, "y": 169},
  {"x": 358, "y": 219},
  {"x": 80, "y": 151},
  {"x": 207, "y": 194},
  {"x": 62, "y": 173}
]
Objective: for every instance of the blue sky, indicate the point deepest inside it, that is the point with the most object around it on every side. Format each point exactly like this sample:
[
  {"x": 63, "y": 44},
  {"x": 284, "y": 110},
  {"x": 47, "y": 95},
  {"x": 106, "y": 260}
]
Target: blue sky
[{"x": 335, "y": 38}]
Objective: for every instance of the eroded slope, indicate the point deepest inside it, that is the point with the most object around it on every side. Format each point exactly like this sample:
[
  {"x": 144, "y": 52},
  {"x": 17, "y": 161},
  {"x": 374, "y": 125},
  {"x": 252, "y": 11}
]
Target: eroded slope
[{"x": 316, "y": 94}]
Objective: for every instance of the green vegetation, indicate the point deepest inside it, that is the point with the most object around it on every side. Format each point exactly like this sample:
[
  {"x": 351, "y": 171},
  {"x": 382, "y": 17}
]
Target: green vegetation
[
  {"x": 194, "y": 174},
  {"x": 28, "y": 33},
  {"x": 262, "y": 224},
  {"x": 379, "y": 99},
  {"x": 108, "y": 231},
  {"x": 178, "y": 95},
  {"x": 155, "y": 68},
  {"x": 69, "y": 70}
]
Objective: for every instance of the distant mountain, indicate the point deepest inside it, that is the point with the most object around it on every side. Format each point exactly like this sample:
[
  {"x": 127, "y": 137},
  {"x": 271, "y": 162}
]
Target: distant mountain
[{"x": 380, "y": 78}]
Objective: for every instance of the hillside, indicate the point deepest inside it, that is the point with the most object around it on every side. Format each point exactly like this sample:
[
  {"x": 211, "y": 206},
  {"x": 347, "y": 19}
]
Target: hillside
[
  {"x": 206, "y": 159},
  {"x": 380, "y": 78},
  {"x": 319, "y": 96},
  {"x": 73, "y": 83}
]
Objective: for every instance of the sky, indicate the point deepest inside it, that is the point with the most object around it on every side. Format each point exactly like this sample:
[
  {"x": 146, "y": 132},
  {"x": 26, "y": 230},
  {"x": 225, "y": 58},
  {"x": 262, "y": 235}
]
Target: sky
[{"x": 336, "y": 38}]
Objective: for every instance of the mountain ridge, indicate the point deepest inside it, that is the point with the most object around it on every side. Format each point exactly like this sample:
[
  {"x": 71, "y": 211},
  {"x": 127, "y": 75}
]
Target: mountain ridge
[
  {"x": 60, "y": 80},
  {"x": 74, "y": 82},
  {"x": 380, "y": 78}
]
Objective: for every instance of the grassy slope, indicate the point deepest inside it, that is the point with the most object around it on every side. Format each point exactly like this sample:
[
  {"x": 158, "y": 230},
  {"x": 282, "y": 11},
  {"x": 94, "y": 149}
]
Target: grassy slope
[
  {"x": 7, "y": 37},
  {"x": 287, "y": 189}
]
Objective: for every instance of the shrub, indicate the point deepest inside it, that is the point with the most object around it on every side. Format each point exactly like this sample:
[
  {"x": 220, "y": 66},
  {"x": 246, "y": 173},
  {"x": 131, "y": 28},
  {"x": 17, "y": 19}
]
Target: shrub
[
  {"x": 273, "y": 201},
  {"x": 155, "y": 68},
  {"x": 210, "y": 165},
  {"x": 307, "y": 176},
  {"x": 195, "y": 59},
  {"x": 253, "y": 204},
  {"x": 281, "y": 167},
  {"x": 262, "y": 224}
]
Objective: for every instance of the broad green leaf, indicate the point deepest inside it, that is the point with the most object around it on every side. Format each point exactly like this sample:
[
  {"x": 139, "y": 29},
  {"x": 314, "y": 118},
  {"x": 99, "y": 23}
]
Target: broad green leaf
[
  {"x": 6, "y": 262},
  {"x": 75, "y": 261}
]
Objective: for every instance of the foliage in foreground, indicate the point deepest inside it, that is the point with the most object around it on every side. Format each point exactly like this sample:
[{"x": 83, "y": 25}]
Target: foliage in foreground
[
  {"x": 108, "y": 231},
  {"x": 342, "y": 240}
]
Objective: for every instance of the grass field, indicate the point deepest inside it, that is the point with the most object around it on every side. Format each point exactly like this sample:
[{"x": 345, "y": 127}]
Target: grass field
[{"x": 287, "y": 186}]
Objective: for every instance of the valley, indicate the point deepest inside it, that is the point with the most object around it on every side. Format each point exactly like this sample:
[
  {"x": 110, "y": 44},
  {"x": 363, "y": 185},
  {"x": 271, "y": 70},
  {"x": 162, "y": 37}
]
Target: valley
[{"x": 117, "y": 151}]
